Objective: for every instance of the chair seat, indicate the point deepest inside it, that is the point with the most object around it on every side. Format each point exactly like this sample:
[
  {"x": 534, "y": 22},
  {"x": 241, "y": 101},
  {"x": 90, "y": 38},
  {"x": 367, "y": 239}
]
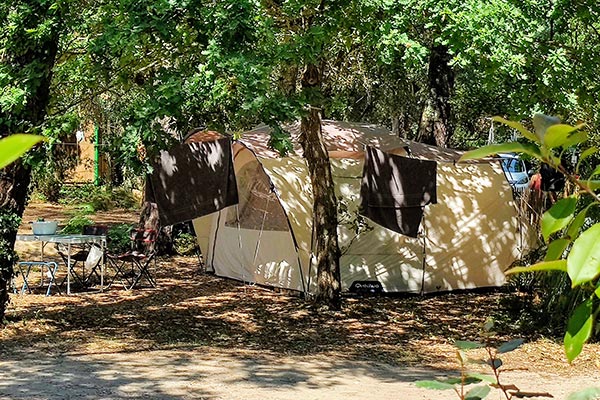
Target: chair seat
[
  {"x": 134, "y": 266},
  {"x": 131, "y": 255},
  {"x": 79, "y": 256}
]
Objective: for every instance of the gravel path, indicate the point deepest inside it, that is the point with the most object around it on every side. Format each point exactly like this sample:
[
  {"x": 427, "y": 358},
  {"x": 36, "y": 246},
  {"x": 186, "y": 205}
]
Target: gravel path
[{"x": 199, "y": 375}]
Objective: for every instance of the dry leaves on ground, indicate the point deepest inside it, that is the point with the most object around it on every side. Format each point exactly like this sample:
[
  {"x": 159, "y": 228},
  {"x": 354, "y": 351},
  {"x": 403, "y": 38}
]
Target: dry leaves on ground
[{"x": 193, "y": 309}]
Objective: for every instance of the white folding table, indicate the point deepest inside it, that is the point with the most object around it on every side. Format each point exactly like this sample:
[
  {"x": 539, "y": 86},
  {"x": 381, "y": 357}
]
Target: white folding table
[{"x": 69, "y": 240}]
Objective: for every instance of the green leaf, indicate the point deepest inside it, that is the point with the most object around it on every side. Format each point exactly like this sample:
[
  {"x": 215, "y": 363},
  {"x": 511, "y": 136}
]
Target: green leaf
[
  {"x": 477, "y": 393},
  {"x": 467, "y": 345},
  {"x": 518, "y": 126},
  {"x": 557, "y": 134},
  {"x": 588, "y": 152},
  {"x": 14, "y": 146},
  {"x": 578, "y": 222},
  {"x": 488, "y": 325},
  {"x": 583, "y": 262},
  {"x": 576, "y": 138},
  {"x": 435, "y": 385},
  {"x": 579, "y": 329},
  {"x": 496, "y": 363},
  {"x": 467, "y": 381},
  {"x": 558, "y": 216},
  {"x": 556, "y": 248},
  {"x": 510, "y": 345},
  {"x": 594, "y": 185},
  {"x": 512, "y": 147},
  {"x": 560, "y": 135},
  {"x": 597, "y": 291},
  {"x": 542, "y": 122},
  {"x": 483, "y": 377},
  {"x": 585, "y": 394},
  {"x": 460, "y": 354},
  {"x": 557, "y": 265}
]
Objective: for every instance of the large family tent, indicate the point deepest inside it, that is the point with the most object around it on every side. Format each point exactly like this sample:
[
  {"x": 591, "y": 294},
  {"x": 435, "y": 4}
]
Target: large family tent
[{"x": 466, "y": 237}]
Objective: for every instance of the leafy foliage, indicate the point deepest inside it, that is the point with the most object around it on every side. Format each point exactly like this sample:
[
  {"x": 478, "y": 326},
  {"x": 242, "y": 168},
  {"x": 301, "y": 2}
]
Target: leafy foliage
[
  {"x": 118, "y": 240},
  {"x": 185, "y": 244},
  {"x": 93, "y": 198},
  {"x": 582, "y": 264},
  {"x": 75, "y": 224}
]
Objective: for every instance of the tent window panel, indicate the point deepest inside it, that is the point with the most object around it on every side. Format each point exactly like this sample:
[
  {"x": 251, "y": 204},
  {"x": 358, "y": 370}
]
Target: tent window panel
[{"x": 259, "y": 207}]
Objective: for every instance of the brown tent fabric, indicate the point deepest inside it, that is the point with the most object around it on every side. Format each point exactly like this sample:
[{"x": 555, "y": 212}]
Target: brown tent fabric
[
  {"x": 395, "y": 189},
  {"x": 191, "y": 180}
]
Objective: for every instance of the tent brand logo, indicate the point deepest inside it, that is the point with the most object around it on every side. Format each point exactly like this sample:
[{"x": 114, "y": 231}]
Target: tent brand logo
[{"x": 366, "y": 287}]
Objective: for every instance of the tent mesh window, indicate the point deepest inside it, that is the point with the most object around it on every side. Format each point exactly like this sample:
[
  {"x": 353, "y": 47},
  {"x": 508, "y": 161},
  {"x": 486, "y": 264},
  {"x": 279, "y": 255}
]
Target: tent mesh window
[{"x": 259, "y": 207}]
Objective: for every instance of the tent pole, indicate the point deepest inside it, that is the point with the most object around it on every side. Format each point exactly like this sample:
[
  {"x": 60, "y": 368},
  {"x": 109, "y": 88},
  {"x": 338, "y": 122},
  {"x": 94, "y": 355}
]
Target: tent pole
[
  {"x": 262, "y": 227},
  {"x": 240, "y": 246},
  {"x": 424, "y": 256},
  {"x": 212, "y": 258}
]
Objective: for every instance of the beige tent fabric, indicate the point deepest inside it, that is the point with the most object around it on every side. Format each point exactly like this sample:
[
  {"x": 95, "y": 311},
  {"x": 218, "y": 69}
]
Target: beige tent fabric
[
  {"x": 248, "y": 249},
  {"x": 468, "y": 238},
  {"x": 471, "y": 234},
  {"x": 203, "y": 227}
]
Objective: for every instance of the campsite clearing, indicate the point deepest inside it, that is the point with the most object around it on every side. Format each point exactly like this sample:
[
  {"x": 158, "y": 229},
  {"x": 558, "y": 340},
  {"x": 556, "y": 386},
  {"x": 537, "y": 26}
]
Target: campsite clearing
[{"x": 200, "y": 336}]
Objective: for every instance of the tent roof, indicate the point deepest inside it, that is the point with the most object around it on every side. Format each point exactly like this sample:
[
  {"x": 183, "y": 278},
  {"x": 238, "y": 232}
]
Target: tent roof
[
  {"x": 199, "y": 136},
  {"x": 348, "y": 140}
]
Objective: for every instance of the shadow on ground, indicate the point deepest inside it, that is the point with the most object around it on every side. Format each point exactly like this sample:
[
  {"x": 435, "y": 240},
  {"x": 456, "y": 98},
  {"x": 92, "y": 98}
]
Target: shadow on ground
[{"x": 190, "y": 309}]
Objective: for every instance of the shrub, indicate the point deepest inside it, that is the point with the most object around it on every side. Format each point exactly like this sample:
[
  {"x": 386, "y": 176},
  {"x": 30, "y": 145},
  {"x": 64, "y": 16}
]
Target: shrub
[
  {"x": 185, "y": 244},
  {"x": 76, "y": 223},
  {"x": 124, "y": 198},
  {"x": 98, "y": 198},
  {"x": 118, "y": 240},
  {"x": 49, "y": 187},
  {"x": 77, "y": 194},
  {"x": 102, "y": 200}
]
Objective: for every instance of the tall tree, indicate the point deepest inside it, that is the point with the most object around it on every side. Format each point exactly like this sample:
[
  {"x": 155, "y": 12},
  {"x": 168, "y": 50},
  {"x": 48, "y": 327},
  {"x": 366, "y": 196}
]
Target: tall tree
[
  {"x": 435, "y": 126},
  {"x": 325, "y": 220},
  {"x": 29, "y": 36}
]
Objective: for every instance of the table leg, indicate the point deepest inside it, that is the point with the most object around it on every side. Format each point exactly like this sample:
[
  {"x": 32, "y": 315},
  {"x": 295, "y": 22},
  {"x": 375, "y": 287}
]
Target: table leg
[
  {"x": 42, "y": 260},
  {"x": 102, "y": 266},
  {"x": 68, "y": 268}
]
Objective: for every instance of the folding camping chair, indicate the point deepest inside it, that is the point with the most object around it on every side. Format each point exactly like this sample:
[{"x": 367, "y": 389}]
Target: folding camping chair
[
  {"x": 134, "y": 266},
  {"x": 89, "y": 257}
]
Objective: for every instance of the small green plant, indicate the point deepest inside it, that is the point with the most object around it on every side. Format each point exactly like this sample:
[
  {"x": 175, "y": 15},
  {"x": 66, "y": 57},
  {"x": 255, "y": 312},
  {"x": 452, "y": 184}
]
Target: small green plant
[
  {"x": 185, "y": 244},
  {"x": 102, "y": 200},
  {"x": 98, "y": 198},
  {"x": 48, "y": 185},
  {"x": 75, "y": 224},
  {"x": 118, "y": 239},
  {"x": 76, "y": 194},
  {"x": 124, "y": 198},
  {"x": 460, "y": 384}
]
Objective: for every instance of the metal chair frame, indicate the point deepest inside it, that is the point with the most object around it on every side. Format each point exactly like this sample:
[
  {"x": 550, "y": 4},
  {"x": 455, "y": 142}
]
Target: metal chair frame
[
  {"x": 133, "y": 266},
  {"x": 25, "y": 268}
]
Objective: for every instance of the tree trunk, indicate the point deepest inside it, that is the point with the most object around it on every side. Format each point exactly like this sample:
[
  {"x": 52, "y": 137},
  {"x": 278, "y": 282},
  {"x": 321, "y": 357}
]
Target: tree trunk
[
  {"x": 435, "y": 125},
  {"x": 14, "y": 183},
  {"x": 37, "y": 62},
  {"x": 325, "y": 220}
]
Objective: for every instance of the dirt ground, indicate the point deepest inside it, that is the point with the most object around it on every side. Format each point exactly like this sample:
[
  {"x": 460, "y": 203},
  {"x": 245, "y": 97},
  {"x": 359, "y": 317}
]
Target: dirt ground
[{"x": 197, "y": 336}]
